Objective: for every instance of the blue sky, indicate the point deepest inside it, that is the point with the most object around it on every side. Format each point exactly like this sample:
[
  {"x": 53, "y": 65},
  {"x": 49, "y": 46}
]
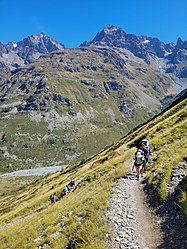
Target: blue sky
[{"x": 71, "y": 22}]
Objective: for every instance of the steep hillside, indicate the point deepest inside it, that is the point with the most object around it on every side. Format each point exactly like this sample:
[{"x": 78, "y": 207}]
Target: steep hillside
[
  {"x": 71, "y": 104},
  {"x": 78, "y": 220}
]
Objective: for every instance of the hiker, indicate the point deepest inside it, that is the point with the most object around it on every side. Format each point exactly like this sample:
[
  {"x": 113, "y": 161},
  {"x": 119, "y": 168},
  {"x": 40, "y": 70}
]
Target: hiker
[
  {"x": 138, "y": 161},
  {"x": 65, "y": 191},
  {"x": 53, "y": 198},
  {"x": 146, "y": 150},
  {"x": 72, "y": 183},
  {"x": 69, "y": 188}
]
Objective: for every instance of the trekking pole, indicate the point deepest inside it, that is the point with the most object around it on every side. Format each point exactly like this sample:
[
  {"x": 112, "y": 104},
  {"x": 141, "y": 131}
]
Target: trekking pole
[{"x": 132, "y": 167}]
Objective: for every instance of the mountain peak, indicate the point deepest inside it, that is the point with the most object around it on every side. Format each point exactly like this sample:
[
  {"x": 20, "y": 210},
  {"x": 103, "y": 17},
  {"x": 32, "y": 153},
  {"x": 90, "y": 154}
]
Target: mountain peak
[
  {"x": 179, "y": 43},
  {"x": 40, "y": 43},
  {"x": 40, "y": 35},
  {"x": 29, "y": 49},
  {"x": 111, "y": 28},
  {"x": 109, "y": 36}
]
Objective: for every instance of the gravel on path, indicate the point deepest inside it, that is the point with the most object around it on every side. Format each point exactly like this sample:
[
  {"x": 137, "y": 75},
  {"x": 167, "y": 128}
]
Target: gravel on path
[{"x": 132, "y": 223}]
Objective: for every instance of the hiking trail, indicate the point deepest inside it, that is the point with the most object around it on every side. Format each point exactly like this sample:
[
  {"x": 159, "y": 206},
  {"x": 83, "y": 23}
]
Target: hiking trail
[{"x": 132, "y": 223}]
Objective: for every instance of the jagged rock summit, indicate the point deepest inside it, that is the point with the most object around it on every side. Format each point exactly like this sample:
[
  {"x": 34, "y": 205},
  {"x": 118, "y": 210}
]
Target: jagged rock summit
[
  {"x": 171, "y": 58},
  {"x": 111, "y": 36},
  {"x": 151, "y": 50},
  {"x": 16, "y": 54},
  {"x": 138, "y": 45}
]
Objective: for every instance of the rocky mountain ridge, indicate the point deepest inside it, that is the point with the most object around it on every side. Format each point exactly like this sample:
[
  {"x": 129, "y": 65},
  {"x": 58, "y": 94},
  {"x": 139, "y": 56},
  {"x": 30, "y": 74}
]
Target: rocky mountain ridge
[
  {"x": 147, "y": 48},
  {"x": 17, "y": 54},
  {"x": 14, "y": 55}
]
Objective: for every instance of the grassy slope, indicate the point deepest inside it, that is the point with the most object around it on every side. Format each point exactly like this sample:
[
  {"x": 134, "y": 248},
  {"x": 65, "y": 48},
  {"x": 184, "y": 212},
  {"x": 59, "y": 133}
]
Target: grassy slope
[
  {"x": 167, "y": 134},
  {"x": 80, "y": 215},
  {"x": 93, "y": 108},
  {"x": 78, "y": 219}
]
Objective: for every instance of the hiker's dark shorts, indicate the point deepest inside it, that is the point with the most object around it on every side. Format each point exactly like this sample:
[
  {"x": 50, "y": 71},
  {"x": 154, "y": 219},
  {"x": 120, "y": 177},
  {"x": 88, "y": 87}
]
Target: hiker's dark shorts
[{"x": 137, "y": 165}]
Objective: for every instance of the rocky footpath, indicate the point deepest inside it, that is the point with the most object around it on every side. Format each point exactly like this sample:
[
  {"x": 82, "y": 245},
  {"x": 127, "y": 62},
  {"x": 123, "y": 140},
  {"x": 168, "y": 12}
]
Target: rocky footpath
[
  {"x": 138, "y": 220},
  {"x": 132, "y": 223}
]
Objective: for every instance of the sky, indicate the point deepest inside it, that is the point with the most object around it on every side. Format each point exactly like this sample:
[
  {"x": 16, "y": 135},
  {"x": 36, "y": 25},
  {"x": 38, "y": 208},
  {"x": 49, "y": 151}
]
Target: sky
[{"x": 72, "y": 22}]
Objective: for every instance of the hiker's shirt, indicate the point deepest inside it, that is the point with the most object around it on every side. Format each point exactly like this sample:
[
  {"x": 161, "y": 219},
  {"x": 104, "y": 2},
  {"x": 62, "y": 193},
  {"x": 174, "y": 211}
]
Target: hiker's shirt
[{"x": 139, "y": 157}]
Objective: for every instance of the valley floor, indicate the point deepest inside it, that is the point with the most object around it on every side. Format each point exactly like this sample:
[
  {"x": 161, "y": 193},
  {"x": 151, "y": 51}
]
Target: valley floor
[{"x": 34, "y": 172}]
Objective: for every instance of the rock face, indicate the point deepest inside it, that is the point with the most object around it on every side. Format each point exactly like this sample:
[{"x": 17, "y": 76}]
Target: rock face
[
  {"x": 28, "y": 50},
  {"x": 116, "y": 37},
  {"x": 180, "y": 52},
  {"x": 144, "y": 47},
  {"x": 178, "y": 59}
]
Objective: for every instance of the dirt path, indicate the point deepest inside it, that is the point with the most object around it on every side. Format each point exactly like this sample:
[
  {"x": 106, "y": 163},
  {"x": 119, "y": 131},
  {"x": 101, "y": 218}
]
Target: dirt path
[
  {"x": 16, "y": 221},
  {"x": 133, "y": 224}
]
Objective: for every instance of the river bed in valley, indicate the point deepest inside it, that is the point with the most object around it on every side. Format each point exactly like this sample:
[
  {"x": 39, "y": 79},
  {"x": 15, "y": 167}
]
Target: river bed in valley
[{"x": 34, "y": 172}]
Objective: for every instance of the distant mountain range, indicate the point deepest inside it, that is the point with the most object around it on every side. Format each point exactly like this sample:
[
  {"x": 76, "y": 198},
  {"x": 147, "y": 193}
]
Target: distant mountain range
[
  {"x": 174, "y": 56},
  {"x": 152, "y": 50},
  {"x": 62, "y": 105}
]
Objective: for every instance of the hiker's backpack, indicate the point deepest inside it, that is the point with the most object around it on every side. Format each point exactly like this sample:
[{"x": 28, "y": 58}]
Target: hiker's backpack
[
  {"x": 72, "y": 183},
  {"x": 146, "y": 142},
  {"x": 52, "y": 198},
  {"x": 147, "y": 148},
  {"x": 65, "y": 190},
  {"x": 138, "y": 158}
]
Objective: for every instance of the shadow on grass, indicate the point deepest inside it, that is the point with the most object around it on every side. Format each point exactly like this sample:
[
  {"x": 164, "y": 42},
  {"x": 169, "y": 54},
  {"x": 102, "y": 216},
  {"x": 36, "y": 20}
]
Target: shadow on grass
[{"x": 174, "y": 224}]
